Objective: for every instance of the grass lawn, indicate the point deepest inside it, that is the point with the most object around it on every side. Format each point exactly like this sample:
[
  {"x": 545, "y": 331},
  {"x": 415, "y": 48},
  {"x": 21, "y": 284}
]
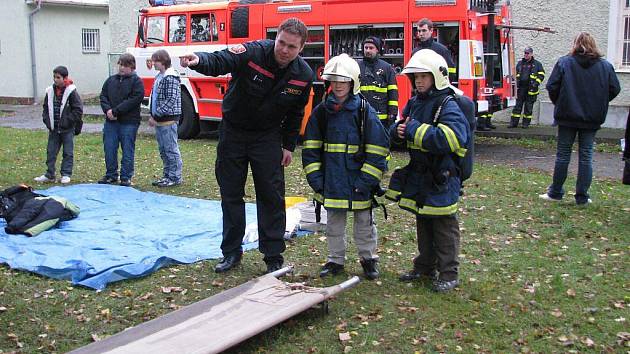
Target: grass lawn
[{"x": 536, "y": 277}]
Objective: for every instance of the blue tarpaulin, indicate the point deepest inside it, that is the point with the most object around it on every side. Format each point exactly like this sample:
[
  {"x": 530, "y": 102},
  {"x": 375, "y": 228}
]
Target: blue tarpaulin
[{"x": 121, "y": 233}]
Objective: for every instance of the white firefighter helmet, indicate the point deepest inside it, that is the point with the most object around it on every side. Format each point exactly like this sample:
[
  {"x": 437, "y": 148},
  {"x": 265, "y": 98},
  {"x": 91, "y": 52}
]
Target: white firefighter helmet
[
  {"x": 428, "y": 61},
  {"x": 343, "y": 68}
]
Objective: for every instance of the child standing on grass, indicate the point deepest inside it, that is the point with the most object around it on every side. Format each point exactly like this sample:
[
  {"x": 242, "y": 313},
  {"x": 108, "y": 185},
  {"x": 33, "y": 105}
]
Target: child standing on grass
[
  {"x": 62, "y": 115},
  {"x": 429, "y": 186},
  {"x": 166, "y": 108},
  {"x": 344, "y": 157}
]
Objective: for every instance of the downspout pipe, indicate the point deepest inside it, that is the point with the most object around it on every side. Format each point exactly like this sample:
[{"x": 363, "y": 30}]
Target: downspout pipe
[{"x": 31, "y": 32}]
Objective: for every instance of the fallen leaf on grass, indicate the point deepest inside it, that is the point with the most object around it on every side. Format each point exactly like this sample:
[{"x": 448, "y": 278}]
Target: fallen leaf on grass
[
  {"x": 345, "y": 336},
  {"x": 217, "y": 283},
  {"x": 556, "y": 313},
  {"x": 172, "y": 289},
  {"x": 95, "y": 337},
  {"x": 587, "y": 342},
  {"x": 2, "y": 308},
  {"x": 571, "y": 293}
]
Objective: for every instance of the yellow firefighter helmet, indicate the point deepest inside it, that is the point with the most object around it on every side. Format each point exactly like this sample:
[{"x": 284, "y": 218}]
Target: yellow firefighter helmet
[
  {"x": 428, "y": 61},
  {"x": 343, "y": 68}
]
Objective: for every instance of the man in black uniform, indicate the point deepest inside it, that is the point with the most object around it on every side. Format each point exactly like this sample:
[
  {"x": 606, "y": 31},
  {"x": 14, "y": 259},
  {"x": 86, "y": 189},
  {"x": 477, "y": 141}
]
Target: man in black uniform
[
  {"x": 378, "y": 81},
  {"x": 529, "y": 76},
  {"x": 262, "y": 113},
  {"x": 425, "y": 35}
]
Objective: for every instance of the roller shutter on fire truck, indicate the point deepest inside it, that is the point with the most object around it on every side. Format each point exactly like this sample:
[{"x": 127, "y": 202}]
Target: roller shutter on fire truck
[{"x": 483, "y": 54}]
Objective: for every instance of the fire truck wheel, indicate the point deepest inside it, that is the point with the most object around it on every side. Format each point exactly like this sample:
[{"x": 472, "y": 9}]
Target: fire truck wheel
[{"x": 188, "y": 123}]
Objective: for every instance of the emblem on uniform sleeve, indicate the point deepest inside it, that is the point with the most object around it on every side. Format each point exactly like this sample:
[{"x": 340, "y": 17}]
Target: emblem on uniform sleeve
[{"x": 237, "y": 49}]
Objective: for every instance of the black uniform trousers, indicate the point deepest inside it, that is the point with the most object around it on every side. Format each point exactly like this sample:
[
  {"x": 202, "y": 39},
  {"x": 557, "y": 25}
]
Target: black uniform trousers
[
  {"x": 438, "y": 246},
  {"x": 523, "y": 99},
  {"x": 262, "y": 150}
]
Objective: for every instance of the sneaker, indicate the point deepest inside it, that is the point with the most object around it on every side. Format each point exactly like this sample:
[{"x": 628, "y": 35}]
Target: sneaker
[
  {"x": 168, "y": 183},
  {"x": 158, "y": 181},
  {"x": 107, "y": 180},
  {"x": 65, "y": 179},
  {"x": 331, "y": 268},
  {"x": 583, "y": 204},
  {"x": 125, "y": 182},
  {"x": 43, "y": 179},
  {"x": 548, "y": 198},
  {"x": 442, "y": 286}
]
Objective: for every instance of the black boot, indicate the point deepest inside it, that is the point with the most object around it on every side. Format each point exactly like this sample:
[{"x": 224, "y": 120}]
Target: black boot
[
  {"x": 526, "y": 122},
  {"x": 369, "y": 268},
  {"x": 481, "y": 124},
  {"x": 228, "y": 262},
  {"x": 513, "y": 122},
  {"x": 331, "y": 268},
  {"x": 489, "y": 123}
]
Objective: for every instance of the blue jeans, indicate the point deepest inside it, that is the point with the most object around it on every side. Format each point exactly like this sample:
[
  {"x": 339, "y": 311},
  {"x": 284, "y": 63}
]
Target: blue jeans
[
  {"x": 124, "y": 135},
  {"x": 166, "y": 136},
  {"x": 566, "y": 137}
]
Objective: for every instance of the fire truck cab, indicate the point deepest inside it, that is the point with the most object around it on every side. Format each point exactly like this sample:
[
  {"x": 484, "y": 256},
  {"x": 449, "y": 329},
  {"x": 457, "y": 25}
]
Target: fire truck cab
[{"x": 471, "y": 29}]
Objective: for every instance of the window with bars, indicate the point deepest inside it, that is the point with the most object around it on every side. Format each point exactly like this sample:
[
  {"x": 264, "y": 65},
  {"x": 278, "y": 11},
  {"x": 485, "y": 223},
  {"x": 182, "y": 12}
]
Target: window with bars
[
  {"x": 91, "y": 40},
  {"x": 625, "y": 48}
]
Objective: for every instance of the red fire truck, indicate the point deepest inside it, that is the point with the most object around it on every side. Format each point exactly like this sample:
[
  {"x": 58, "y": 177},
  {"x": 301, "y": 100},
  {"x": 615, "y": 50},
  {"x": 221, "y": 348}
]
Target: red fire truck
[{"x": 476, "y": 32}]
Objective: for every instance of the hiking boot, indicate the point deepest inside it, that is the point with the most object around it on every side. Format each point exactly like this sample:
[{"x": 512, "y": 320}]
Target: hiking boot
[
  {"x": 442, "y": 286},
  {"x": 107, "y": 180},
  {"x": 43, "y": 179},
  {"x": 526, "y": 123},
  {"x": 416, "y": 275},
  {"x": 125, "y": 182},
  {"x": 513, "y": 122},
  {"x": 65, "y": 179},
  {"x": 489, "y": 124},
  {"x": 369, "y": 268},
  {"x": 228, "y": 262},
  {"x": 272, "y": 266},
  {"x": 331, "y": 268}
]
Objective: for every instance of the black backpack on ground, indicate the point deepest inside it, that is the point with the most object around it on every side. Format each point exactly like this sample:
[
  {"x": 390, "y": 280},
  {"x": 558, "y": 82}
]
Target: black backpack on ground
[{"x": 13, "y": 198}]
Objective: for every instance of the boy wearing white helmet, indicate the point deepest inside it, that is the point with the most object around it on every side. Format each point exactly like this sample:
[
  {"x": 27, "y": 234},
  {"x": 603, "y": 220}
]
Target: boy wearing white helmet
[
  {"x": 436, "y": 133},
  {"x": 344, "y": 158}
]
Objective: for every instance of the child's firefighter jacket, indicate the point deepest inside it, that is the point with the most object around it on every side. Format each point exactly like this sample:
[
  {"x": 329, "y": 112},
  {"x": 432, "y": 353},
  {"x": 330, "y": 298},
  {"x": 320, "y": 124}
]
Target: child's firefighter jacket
[
  {"x": 343, "y": 170},
  {"x": 430, "y": 184}
]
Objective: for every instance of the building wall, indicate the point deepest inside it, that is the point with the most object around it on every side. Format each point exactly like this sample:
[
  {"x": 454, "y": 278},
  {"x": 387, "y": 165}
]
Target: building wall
[
  {"x": 123, "y": 19},
  {"x": 589, "y": 16},
  {"x": 57, "y": 42},
  {"x": 14, "y": 50}
]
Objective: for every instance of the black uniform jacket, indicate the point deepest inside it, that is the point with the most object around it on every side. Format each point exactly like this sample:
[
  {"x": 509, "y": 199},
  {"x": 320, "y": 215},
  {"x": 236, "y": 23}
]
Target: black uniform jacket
[{"x": 261, "y": 96}]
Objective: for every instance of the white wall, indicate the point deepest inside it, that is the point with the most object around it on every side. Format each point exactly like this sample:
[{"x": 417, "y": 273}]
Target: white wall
[
  {"x": 14, "y": 50},
  {"x": 57, "y": 42}
]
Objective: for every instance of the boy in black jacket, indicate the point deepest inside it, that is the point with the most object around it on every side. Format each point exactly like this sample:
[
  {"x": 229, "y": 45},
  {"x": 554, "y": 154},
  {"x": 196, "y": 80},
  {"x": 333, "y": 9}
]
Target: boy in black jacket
[
  {"x": 62, "y": 115},
  {"x": 121, "y": 97}
]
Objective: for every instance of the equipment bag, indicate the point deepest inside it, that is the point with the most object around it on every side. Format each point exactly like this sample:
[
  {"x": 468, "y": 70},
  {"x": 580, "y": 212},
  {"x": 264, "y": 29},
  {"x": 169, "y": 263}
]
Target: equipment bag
[{"x": 467, "y": 107}]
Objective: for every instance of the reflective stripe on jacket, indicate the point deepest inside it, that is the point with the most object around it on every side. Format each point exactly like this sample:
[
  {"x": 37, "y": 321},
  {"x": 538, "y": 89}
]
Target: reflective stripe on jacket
[
  {"x": 339, "y": 179},
  {"x": 430, "y": 184}
]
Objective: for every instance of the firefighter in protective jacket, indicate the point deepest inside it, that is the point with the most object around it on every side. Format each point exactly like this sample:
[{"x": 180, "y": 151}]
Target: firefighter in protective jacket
[
  {"x": 262, "y": 113},
  {"x": 430, "y": 185},
  {"x": 378, "y": 81},
  {"x": 529, "y": 75},
  {"x": 344, "y": 157}
]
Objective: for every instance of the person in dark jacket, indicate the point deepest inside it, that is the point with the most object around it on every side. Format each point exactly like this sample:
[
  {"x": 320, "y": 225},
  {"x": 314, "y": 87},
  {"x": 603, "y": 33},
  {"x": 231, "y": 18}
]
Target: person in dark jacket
[
  {"x": 62, "y": 115},
  {"x": 166, "y": 108},
  {"x": 121, "y": 97},
  {"x": 529, "y": 75},
  {"x": 344, "y": 158},
  {"x": 262, "y": 114},
  {"x": 429, "y": 186},
  {"x": 581, "y": 85},
  {"x": 378, "y": 81}
]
